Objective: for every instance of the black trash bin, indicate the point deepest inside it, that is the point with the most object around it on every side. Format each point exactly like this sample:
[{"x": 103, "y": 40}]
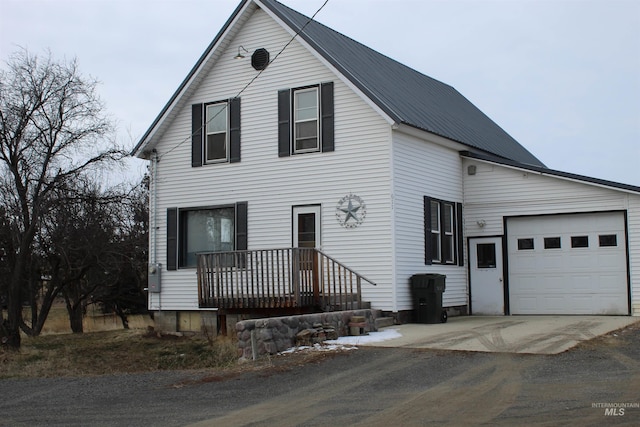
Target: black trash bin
[{"x": 427, "y": 290}]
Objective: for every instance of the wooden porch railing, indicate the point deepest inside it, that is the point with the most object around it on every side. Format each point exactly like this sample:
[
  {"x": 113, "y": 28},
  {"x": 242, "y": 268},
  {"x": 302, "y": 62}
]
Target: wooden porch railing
[{"x": 277, "y": 278}]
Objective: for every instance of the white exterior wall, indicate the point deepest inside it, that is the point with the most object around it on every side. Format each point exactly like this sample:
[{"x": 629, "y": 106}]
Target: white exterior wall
[
  {"x": 496, "y": 191},
  {"x": 272, "y": 185},
  {"x": 422, "y": 168}
]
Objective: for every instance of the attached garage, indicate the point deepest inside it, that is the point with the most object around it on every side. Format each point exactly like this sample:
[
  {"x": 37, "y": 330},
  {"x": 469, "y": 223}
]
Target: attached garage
[{"x": 568, "y": 264}]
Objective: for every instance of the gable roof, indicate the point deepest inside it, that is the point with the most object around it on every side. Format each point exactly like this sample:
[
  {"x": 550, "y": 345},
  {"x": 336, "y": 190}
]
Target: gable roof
[{"x": 404, "y": 94}]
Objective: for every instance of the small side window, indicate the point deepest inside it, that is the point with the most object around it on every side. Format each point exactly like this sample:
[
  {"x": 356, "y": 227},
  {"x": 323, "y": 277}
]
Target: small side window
[
  {"x": 552, "y": 243},
  {"x": 608, "y": 240},
  {"x": 525, "y": 244},
  {"x": 579, "y": 241}
]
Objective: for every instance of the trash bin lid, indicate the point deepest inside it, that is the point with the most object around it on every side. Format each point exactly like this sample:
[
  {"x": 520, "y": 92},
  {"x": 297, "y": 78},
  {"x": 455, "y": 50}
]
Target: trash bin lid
[{"x": 431, "y": 282}]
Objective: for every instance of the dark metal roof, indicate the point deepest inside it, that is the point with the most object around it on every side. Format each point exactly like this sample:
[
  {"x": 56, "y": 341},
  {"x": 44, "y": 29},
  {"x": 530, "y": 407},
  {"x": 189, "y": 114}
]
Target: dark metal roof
[
  {"x": 552, "y": 172},
  {"x": 406, "y": 95}
]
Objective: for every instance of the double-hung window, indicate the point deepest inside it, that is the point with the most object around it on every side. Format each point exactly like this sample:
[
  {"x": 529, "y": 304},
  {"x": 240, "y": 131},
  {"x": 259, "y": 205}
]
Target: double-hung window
[
  {"x": 217, "y": 126},
  {"x": 305, "y": 120},
  {"x": 443, "y": 232},
  {"x": 215, "y": 132}
]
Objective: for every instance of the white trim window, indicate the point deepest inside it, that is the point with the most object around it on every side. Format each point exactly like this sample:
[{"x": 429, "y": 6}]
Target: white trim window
[
  {"x": 436, "y": 241},
  {"x": 443, "y": 232},
  {"x": 217, "y": 127},
  {"x": 306, "y": 120},
  {"x": 448, "y": 245}
]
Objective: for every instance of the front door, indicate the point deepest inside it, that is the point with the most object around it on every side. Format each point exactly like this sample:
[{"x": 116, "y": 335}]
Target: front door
[
  {"x": 486, "y": 276},
  {"x": 306, "y": 226}
]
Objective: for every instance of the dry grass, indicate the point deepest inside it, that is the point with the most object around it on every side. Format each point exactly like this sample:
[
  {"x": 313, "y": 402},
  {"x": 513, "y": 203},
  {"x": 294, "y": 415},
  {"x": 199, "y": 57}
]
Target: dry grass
[
  {"x": 106, "y": 347},
  {"x": 98, "y": 353}
]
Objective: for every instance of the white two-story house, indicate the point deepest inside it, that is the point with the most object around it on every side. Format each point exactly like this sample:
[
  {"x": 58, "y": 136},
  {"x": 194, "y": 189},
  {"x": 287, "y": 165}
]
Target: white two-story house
[{"x": 288, "y": 134}]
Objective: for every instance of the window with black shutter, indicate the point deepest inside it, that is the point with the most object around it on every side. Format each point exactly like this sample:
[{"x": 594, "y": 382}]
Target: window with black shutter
[
  {"x": 215, "y": 132},
  {"x": 443, "y": 232},
  {"x": 204, "y": 229},
  {"x": 306, "y": 120}
]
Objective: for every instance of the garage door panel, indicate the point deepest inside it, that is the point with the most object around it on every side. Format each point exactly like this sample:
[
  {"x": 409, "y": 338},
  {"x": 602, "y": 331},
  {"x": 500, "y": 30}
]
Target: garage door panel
[{"x": 561, "y": 278}]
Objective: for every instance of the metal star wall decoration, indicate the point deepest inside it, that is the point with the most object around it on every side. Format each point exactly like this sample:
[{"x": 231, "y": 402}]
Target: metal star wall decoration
[{"x": 351, "y": 211}]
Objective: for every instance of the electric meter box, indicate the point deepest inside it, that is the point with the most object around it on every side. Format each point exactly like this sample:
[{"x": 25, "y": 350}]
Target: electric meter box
[{"x": 154, "y": 277}]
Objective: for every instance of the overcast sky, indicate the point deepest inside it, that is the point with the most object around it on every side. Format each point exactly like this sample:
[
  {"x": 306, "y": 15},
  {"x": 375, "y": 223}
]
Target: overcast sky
[{"x": 561, "y": 76}]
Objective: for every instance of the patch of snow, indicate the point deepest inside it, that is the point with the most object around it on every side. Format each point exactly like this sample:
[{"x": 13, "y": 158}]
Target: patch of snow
[
  {"x": 384, "y": 335},
  {"x": 347, "y": 343}
]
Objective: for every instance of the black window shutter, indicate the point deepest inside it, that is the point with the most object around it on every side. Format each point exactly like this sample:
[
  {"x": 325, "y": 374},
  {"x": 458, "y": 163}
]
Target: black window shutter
[
  {"x": 460, "y": 234},
  {"x": 197, "y": 132},
  {"x": 234, "y": 130},
  {"x": 326, "y": 107},
  {"x": 241, "y": 226},
  {"x": 172, "y": 239},
  {"x": 428, "y": 250},
  {"x": 284, "y": 126}
]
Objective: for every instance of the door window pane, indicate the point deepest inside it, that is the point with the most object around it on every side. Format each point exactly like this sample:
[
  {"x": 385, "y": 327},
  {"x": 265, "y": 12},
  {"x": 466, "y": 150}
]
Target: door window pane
[
  {"x": 307, "y": 230},
  {"x": 552, "y": 242},
  {"x": 525, "y": 244},
  {"x": 579, "y": 241},
  {"x": 608, "y": 240},
  {"x": 486, "y": 253}
]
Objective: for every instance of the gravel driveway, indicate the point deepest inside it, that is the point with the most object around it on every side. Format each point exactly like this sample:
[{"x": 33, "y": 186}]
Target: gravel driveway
[{"x": 367, "y": 386}]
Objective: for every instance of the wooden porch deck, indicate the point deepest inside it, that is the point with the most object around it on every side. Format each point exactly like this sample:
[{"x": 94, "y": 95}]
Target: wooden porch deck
[{"x": 277, "y": 280}]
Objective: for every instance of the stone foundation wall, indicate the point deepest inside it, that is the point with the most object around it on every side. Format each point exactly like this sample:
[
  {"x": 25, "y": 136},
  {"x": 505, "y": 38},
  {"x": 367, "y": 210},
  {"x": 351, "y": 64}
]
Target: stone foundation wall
[{"x": 275, "y": 334}]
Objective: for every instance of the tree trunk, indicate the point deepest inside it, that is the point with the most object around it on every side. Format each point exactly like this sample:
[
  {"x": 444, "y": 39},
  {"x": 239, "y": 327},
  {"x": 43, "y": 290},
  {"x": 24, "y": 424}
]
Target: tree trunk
[
  {"x": 11, "y": 328},
  {"x": 120, "y": 312},
  {"x": 75, "y": 315}
]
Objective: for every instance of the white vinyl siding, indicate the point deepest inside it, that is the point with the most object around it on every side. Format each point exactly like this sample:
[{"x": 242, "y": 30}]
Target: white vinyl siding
[
  {"x": 422, "y": 168},
  {"x": 272, "y": 185},
  {"x": 495, "y": 192}
]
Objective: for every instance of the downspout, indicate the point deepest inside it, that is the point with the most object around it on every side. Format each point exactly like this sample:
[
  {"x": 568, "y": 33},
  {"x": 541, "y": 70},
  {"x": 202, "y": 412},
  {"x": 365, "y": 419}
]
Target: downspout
[
  {"x": 153, "y": 227},
  {"x": 394, "y": 277}
]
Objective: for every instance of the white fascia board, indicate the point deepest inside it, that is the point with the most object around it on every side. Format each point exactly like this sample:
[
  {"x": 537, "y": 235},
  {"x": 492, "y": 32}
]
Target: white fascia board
[
  {"x": 212, "y": 54},
  {"x": 430, "y": 137},
  {"x": 327, "y": 64},
  {"x": 552, "y": 175}
]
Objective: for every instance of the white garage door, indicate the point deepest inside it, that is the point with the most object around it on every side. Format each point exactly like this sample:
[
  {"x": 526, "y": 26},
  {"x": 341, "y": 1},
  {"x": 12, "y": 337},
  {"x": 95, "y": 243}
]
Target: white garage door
[{"x": 568, "y": 264}]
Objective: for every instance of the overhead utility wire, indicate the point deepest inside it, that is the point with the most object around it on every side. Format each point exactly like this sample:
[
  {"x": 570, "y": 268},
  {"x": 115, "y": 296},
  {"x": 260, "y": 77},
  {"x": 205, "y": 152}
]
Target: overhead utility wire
[{"x": 202, "y": 127}]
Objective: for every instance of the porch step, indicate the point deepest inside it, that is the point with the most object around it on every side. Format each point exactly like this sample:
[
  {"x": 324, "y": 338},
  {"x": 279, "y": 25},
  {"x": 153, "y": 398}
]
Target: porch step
[{"x": 382, "y": 322}]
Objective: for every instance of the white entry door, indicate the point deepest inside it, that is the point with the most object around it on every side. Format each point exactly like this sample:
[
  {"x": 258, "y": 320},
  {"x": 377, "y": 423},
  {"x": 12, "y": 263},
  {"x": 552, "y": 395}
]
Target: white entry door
[
  {"x": 306, "y": 226},
  {"x": 486, "y": 281}
]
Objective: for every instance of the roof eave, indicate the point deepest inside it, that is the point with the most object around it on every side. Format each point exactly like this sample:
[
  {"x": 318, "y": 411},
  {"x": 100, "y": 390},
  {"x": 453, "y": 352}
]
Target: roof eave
[
  {"x": 552, "y": 172},
  {"x": 141, "y": 149}
]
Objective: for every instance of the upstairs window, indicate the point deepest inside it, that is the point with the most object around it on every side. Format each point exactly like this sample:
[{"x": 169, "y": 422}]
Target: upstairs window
[
  {"x": 217, "y": 126},
  {"x": 443, "y": 232},
  {"x": 305, "y": 117},
  {"x": 305, "y": 120},
  {"x": 215, "y": 132}
]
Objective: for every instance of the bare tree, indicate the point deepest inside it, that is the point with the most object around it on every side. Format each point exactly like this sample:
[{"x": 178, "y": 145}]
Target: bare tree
[{"x": 53, "y": 129}]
